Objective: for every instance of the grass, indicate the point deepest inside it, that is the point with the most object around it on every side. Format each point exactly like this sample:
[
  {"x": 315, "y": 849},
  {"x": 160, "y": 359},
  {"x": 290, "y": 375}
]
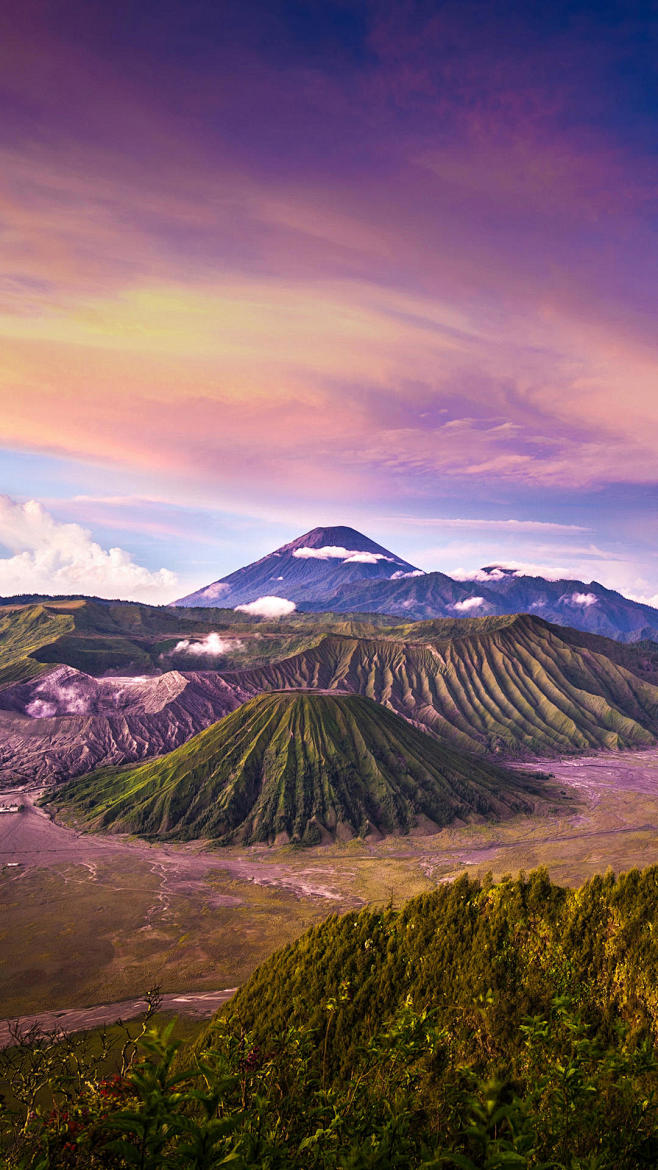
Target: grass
[
  {"x": 130, "y": 638},
  {"x": 510, "y": 686},
  {"x": 504, "y": 685},
  {"x": 72, "y": 936}
]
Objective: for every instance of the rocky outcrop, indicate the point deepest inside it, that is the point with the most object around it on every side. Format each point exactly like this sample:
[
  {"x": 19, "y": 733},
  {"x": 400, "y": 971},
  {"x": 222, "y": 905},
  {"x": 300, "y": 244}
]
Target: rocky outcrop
[{"x": 67, "y": 723}]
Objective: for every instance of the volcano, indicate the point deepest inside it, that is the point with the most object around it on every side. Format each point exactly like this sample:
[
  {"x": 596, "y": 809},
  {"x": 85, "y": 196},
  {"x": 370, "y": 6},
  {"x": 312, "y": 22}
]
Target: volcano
[
  {"x": 310, "y": 568},
  {"x": 339, "y": 570},
  {"x": 303, "y": 767}
]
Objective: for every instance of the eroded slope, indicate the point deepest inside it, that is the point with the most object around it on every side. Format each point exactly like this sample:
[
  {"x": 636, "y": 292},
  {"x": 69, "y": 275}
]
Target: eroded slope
[
  {"x": 66, "y": 723},
  {"x": 516, "y": 687}
]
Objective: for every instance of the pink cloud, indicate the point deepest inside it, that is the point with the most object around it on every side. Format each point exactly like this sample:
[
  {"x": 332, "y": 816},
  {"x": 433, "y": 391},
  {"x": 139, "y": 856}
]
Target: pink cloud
[{"x": 493, "y": 265}]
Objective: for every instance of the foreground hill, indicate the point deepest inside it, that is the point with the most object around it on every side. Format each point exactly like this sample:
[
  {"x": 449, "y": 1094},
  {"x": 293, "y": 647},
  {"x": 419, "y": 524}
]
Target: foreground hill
[
  {"x": 520, "y": 942},
  {"x": 299, "y": 767},
  {"x": 481, "y": 1026},
  {"x": 506, "y": 685}
]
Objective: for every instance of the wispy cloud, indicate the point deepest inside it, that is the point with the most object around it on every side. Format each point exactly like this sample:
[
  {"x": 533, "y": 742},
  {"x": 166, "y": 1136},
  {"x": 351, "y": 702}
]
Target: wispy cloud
[
  {"x": 419, "y": 272},
  {"x": 334, "y": 552},
  {"x": 546, "y": 527}
]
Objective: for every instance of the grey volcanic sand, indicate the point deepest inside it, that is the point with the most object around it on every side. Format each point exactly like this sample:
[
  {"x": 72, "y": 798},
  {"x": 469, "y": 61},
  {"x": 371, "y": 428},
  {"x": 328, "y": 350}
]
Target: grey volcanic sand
[
  {"x": 67, "y": 723},
  {"x": 32, "y": 839}
]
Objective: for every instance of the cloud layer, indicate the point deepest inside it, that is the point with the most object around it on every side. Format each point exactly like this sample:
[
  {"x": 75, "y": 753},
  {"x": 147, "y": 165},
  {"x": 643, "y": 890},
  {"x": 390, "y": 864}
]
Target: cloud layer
[
  {"x": 334, "y": 552},
  {"x": 418, "y": 276},
  {"x": 401, "y": 260},
  {"x": 53, "y": 558}
]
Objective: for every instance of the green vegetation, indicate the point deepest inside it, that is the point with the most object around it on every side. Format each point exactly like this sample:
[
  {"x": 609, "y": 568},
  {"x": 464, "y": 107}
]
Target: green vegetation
[
  {"x": 23, "y": 631},
  {"x": 298, "y": 767},
  {"x": 505, "y": 685},
  {"x": 37, "y": 1058},
  {"x": 129, "y": 638},
  {"x": 121, "y": 915},
  {"x": 482, "y": 1026},
  {"x": 518, "y": 943},
  {"x": 499, "y": 685}
]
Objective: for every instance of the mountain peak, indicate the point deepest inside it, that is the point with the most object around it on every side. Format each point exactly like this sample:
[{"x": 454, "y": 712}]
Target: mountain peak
[
  {"x": 314, "y": 565},
  {"x": 334, "y": 536},
  {"x": 228, "y": 782}
]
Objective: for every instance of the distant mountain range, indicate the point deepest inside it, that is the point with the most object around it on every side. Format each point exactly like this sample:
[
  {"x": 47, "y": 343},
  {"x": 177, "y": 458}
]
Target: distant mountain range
[{"x": 340, "y": 570}]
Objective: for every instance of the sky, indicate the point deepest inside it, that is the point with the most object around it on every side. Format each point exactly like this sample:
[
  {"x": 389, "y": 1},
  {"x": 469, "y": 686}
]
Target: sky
[{"x": 267, "y": 266}]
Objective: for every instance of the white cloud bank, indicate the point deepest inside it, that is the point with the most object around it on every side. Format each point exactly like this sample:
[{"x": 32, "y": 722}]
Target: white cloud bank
[
  {"x": 365, "y": 558},
  {"x": 272, "y": 607},
  {"x": 515, "y": 569},
  {"x": 468, "y": 603},
  {"x": 481, "y": 574},
  {"x": 211, "y": 646},
  {"x": 48, "y": 556},
  {"x": 334, "y": 552}
]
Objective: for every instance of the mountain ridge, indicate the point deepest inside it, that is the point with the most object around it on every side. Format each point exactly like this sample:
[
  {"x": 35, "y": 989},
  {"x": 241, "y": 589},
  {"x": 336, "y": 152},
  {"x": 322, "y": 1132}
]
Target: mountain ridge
[
  {"x": 319, "y": 560},
  {"x": 339, "y": 570},
  {"x": 516, "y": 687},
  {"x": 511, "y": 685}
]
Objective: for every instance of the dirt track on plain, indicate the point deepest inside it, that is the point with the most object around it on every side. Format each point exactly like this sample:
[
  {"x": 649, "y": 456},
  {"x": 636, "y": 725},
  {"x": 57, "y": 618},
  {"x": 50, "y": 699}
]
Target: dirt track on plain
[{"x": 199, "y": 1004}]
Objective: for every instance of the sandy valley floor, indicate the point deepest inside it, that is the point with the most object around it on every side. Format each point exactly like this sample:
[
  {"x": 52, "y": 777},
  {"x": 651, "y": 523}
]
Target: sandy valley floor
[{"x": 87, "y": 919}]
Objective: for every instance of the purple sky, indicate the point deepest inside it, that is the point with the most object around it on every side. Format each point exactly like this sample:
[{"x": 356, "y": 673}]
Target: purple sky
[{"x": 267, "y": 266}]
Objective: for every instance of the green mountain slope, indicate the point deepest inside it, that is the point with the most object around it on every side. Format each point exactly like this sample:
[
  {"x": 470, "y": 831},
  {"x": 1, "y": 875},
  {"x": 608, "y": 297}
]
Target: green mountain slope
[
  {"x": 298, "y": 767},
  {"x": 127, "y": 638},
  {"x": 24, "y": 630},
  {"x": 469, "y": 951},
  {"x": 480, "y": 1027},
  {"x": 511, "y": 685}
]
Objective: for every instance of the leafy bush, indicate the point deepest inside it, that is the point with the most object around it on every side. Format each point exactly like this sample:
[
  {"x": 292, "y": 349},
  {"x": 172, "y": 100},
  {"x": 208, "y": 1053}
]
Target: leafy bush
[{"x": 364, "y": 1073}]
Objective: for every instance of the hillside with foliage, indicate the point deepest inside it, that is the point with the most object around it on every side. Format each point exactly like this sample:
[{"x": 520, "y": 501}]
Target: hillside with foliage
[
  {"x": 509, "y": 685},
  {"x": 300, "y": 767},
  {"x": 481, "y": 1026},
  {"x": 516, "y": 943}
]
